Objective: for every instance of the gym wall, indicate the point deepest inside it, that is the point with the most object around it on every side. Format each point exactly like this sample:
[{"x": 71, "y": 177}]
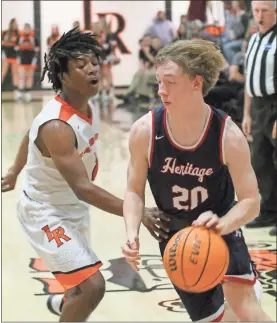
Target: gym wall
[{"x": 128, "y": 19}]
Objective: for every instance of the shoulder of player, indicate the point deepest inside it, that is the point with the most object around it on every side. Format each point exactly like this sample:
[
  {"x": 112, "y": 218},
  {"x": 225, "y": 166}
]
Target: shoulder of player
[
  {"x": 57, "y": 133},
  {"x": 235, "y": 141},
  {"x": 140, "y": 132},
  {"x": 141, "y": 127}
]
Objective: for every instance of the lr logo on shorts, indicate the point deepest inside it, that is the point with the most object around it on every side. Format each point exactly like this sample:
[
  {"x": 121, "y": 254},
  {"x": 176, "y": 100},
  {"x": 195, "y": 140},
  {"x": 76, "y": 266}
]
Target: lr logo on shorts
[{"x": 56, "y": 235}]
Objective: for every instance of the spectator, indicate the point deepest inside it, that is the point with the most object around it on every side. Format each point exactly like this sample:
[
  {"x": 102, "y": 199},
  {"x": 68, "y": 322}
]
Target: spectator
[
  {"x": 146, "y": 56},
  {"x": 237, "y": 29},
  {"x": 141, "y": 87},
  {"x": 9, "y": 42},
  {"x": 197, "y": 10},
  {"x": 183, "y": 19},
  {"x": 76, "y": 24},
  {"x": 109, "y": 44},
  {"x": 28, "y": 48},
  {"x": 228, "y": 12},
  {"x": 214, "y": 24},
  {"x": 182, "y": 31},
  {"x": 161, "y": 28},
  {"x": 260, "y": 107},
  {"x": 155, "y": 46},
  {"x": 55, "y": 35}
]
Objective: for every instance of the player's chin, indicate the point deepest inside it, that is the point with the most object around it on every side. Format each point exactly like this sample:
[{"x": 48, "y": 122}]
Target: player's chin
[
  {"x": 168, "y": 106},
  {"x": 93, "y": 89}
]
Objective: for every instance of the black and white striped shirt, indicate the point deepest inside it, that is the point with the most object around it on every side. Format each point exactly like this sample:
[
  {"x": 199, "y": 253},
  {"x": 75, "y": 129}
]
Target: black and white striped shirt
[{"x": 261, "y": 65}]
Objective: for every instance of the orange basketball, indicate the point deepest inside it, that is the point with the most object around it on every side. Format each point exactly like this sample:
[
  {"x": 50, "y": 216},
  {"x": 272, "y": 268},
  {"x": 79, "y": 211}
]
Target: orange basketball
[{"x": 196, "y": 259}]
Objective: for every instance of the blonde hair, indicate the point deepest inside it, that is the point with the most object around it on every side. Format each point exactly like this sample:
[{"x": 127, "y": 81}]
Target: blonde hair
[{"x": 194, "y": 57}]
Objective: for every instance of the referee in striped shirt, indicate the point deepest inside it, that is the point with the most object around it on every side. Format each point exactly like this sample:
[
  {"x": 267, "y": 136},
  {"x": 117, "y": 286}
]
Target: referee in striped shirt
[{"x": 260, "y": 108}]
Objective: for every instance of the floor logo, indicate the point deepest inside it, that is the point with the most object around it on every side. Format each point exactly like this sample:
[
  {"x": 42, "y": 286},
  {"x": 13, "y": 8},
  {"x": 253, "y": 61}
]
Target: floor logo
[{"x": 120, "y": 277}]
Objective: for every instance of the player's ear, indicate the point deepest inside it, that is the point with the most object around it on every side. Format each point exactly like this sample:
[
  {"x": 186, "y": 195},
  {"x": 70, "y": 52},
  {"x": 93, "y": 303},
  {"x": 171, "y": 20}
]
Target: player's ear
[{"x": 198, "y": 83}]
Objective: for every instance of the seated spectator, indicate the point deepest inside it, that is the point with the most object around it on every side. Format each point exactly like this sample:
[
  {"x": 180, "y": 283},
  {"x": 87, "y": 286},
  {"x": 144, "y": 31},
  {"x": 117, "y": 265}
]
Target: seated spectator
[
  {"x": 237, "y": 29},
  {"x": 228, "y": 12},
  {"x": 236, "y": 71},
  {"x": 196, "y": 27},
  {"x": 141, "y": 87},
  {"x": 228, "y": 93},
  {"x": 146, "y": 52}
]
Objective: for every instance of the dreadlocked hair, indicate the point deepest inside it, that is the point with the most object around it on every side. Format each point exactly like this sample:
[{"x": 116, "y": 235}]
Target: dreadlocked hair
[{"x": 68, "y": 47}]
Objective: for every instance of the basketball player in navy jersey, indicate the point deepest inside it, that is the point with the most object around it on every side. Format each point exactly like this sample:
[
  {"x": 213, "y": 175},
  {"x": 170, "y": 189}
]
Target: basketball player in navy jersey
[{"x": 195, "y": 159}]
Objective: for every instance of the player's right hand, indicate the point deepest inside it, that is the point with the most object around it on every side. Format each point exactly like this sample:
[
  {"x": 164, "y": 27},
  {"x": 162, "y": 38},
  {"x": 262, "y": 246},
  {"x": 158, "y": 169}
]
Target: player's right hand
[
  {"x": 9, "y": 180},
  {"x": 156, "y": 223},
  {"x": 130, "y": 250},
  {"x": 246, "y": 125}
]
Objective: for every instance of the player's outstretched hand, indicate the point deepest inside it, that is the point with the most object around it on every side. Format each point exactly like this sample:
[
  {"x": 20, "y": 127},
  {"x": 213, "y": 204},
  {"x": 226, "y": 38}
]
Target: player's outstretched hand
[
  {"x": 9, "y": 180},
  {"x": 209, "y": 220},
  {"x": 130, "y": 250},
  {"x": 156, "y": 223}
]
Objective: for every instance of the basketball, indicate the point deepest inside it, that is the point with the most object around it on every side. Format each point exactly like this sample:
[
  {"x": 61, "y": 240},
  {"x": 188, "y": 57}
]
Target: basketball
[{"x": 196, "y": 259}]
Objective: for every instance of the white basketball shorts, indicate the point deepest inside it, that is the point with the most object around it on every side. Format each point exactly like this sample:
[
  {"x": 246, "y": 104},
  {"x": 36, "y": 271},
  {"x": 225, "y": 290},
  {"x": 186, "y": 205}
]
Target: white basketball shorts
[{"x": 60, "y": 236}]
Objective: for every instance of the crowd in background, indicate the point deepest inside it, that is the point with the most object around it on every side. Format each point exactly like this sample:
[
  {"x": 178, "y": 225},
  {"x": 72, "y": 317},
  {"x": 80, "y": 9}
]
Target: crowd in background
[{"x": 233, "y": 41}]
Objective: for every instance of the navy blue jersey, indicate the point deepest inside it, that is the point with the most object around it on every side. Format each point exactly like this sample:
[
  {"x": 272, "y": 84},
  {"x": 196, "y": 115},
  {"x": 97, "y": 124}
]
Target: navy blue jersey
[{"x": 186, "y": 181}]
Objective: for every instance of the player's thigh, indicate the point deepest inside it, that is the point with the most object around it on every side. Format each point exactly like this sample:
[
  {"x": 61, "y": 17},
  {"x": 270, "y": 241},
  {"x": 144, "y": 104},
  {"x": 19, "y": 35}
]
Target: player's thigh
[
  {"x": 240, "y": 279},
  {"x": 241, "y": 268}
]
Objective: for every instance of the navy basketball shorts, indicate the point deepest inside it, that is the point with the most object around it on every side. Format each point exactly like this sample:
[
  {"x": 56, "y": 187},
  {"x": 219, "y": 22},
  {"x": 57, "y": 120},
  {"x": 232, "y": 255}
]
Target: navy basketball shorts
[{"x": 209, "y": 306}]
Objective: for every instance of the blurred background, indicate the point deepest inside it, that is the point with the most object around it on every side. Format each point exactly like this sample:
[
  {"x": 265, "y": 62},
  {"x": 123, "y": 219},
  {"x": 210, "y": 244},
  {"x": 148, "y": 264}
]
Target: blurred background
[{"x": 131, "y": 32}]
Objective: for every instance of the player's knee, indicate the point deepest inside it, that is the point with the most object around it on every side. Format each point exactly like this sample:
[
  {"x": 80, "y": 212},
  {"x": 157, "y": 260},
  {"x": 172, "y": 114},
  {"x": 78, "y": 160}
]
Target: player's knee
[
  {"x": 249, "y": 309},
  {"x": 94, "y": 288},
  {"x": 91, "y": 291}
]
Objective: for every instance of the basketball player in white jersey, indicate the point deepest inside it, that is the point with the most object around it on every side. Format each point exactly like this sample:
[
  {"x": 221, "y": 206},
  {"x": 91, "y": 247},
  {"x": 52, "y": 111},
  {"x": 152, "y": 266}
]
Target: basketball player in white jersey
[
  {"x": 61, "y": 166},
  {"x": 195, "y": 159}
]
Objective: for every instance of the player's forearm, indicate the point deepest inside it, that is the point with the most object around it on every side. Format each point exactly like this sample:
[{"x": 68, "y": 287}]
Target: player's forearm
[
  {"x": 98, "y": 197},
  {"x": 133, "y": 210},
  {"x": 21, "y": 156},
  {"x": 247, "y": 103},
  {"x": 243, "y": 212}
]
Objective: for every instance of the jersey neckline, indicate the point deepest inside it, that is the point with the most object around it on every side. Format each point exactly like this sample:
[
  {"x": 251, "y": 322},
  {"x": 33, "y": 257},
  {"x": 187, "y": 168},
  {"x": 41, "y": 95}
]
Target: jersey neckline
[
  {"x": 67, "y": 106},
  {"x": 199, "y": 141}
]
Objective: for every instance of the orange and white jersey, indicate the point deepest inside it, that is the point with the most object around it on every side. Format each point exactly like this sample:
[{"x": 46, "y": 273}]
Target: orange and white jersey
[{"x": 43, "y": 182}]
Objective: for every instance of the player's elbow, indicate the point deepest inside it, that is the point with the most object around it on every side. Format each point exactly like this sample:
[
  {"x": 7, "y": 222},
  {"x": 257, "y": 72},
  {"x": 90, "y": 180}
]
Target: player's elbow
[{"x": 81, "y": 190}]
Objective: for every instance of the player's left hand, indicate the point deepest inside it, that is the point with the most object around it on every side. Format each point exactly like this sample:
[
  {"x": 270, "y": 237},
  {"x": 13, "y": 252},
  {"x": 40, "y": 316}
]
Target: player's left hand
[
  {"x": 130, "y": 250},
  {"x": 9, "y": 180},
  {"x": 209, "y": 220},
  {"x": 156, "y": 223}
]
